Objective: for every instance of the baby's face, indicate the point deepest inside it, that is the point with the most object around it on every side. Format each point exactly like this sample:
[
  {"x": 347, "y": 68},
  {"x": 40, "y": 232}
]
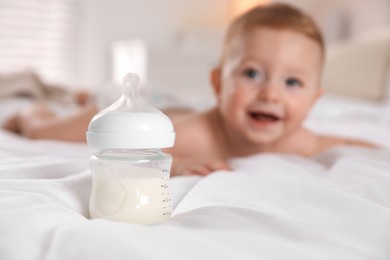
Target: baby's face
[{"x": 269, "y": 80}]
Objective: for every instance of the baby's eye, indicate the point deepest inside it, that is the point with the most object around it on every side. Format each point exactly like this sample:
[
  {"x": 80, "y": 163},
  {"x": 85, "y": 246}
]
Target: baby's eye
[
  {"x": 293, "y": 82},
  {"x": 252, "y": 73}
]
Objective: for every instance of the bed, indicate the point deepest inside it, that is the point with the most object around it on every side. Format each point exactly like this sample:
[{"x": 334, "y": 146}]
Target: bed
[{"x": 335, "y": 205}]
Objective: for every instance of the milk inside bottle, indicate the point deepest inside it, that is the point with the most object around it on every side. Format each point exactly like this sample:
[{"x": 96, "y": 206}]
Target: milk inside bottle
[{"x": 130, "y": 173}]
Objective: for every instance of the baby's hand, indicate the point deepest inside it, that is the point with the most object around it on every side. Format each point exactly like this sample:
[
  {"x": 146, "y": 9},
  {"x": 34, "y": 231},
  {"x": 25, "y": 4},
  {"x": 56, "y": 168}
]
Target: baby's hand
[{"x": 198, "y": 166}]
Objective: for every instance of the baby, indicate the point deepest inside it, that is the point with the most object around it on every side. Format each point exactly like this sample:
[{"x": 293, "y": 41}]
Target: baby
[{"x": 267, "y": 80}]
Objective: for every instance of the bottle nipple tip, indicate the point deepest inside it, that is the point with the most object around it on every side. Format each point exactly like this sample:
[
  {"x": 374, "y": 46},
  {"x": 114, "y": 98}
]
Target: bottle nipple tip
[{"x": 131, "y": 79}]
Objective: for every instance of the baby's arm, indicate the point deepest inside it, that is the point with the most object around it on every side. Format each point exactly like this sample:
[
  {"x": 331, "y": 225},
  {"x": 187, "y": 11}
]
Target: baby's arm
[
  {"x": 359, "y": 143},
  {"x": 192, "y": 153},
  {"x": 327, "y": 142}
]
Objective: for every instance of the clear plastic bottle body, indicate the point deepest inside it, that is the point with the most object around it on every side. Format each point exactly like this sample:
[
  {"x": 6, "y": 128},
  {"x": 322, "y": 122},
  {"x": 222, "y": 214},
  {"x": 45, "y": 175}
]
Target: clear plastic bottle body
[{"x": 131, "y": 185}]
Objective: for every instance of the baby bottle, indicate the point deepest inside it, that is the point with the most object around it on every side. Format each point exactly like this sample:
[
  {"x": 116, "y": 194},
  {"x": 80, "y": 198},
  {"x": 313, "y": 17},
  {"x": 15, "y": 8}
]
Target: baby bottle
[{"x": 130, "y": 173}]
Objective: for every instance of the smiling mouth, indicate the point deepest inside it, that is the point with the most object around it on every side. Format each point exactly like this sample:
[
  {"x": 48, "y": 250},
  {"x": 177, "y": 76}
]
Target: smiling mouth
[{"x": 264, "y": 117}]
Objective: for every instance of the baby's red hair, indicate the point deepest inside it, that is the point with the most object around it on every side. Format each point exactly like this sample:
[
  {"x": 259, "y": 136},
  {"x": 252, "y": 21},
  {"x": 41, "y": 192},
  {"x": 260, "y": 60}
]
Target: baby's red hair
[{"x": 274, "y": 16}]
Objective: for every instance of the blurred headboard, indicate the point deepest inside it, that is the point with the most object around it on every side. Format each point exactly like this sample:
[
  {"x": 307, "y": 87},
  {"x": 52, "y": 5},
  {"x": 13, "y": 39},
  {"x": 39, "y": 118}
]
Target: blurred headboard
[{"x": 359, "y": 67}]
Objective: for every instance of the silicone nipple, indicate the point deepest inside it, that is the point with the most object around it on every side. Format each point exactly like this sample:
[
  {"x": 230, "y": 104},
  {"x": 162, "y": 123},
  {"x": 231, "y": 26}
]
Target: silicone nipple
[
  {"x": 131, "y": 122},
  {"x": 131, "y": 99}
]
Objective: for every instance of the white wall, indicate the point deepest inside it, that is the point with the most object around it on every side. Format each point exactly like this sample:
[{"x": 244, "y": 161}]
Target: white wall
[{"x": 346, "y": 18}]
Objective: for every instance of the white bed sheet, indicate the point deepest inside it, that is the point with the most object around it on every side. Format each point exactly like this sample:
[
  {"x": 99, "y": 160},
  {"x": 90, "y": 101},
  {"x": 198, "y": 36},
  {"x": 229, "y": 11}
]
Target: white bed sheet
[{"x": 271, "y": 206}]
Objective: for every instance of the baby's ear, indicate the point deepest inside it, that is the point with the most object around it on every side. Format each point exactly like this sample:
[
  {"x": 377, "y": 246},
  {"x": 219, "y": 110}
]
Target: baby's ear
[
  {"x": 320, "y": 91},
  {"x": 215, "y": 79}
]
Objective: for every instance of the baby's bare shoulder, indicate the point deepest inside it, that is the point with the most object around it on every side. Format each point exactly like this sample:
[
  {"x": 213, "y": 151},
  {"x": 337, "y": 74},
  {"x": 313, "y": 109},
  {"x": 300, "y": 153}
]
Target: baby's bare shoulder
[
  {"x": 194, "y": 125},
  {"x": 192, "y": 135}
]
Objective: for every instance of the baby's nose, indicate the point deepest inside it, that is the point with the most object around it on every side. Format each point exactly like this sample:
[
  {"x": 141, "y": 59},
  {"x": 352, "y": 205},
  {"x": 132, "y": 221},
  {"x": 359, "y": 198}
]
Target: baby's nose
[{"x": 268, "y": 93}]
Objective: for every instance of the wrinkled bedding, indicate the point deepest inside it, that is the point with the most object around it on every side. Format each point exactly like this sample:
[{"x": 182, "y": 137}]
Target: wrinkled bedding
[{"x": 335, "y": 205}]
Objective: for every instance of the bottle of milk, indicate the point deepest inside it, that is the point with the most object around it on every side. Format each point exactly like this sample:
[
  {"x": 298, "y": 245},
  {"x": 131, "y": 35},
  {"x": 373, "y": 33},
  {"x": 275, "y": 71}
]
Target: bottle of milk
[{"x": 130, "y": 173}]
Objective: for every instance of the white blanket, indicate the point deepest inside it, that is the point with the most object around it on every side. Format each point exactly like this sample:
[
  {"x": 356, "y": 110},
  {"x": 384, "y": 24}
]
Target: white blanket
[{"x": 271, "y": 206}]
